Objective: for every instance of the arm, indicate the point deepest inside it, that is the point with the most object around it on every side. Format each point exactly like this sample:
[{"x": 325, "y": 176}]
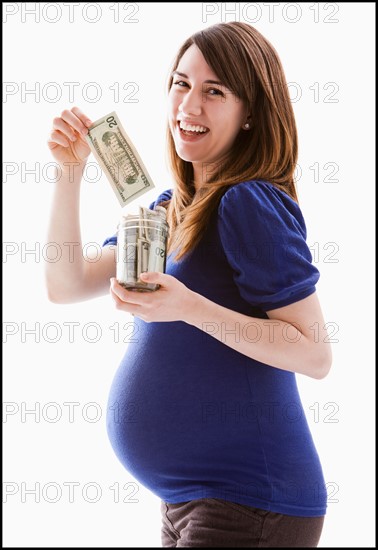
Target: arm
[
  {"x": 285, "y": 340},
  {"x": 73, "y": 278},
  {"x": 272, "y": 267}
]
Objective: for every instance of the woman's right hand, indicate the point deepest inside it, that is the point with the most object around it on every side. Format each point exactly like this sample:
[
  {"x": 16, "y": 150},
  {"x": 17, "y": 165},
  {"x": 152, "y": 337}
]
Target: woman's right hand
[{"x": 67, "y": 142}]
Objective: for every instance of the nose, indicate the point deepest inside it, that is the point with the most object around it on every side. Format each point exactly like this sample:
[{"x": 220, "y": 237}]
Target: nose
[{"x": 191, "y": 104}]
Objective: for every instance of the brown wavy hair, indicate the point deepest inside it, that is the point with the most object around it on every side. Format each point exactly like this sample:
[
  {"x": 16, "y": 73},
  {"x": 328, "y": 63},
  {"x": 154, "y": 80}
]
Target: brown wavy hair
[{"x": 248, "y": 65}]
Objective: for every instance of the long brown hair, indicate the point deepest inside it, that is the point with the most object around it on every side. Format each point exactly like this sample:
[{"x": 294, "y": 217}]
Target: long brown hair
[{"x": 249, "y": 66}]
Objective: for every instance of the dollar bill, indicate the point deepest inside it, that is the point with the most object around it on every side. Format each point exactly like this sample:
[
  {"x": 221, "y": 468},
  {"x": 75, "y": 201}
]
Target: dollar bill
[
  {"x": 157, "y": 239},
  {"x": 143, "y": 255},
  {"x": 118, "y": 158},
  {"x": 152, "y": 239},
  {"x": 157, "y": 256},
  {"x": 127, "y": 260}
]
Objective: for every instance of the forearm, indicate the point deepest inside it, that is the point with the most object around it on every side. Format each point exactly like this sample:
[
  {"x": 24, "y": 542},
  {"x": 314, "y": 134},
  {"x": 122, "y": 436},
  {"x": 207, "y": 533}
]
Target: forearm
[
  {"x": 270, "y": 341},
  {"x": 64, "y": 231}
]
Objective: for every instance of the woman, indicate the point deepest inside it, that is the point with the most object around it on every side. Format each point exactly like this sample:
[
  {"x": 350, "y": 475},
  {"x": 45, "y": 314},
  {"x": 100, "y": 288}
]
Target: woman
[{"x": 208, "y": 412}]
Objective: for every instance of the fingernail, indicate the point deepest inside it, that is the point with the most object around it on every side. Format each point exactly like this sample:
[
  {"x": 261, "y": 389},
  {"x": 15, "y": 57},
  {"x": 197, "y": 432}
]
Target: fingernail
[
  {"x": 73, "y": 138},
  {"x": 88, "y": 123},
  {"x": 84, "y": 131}
]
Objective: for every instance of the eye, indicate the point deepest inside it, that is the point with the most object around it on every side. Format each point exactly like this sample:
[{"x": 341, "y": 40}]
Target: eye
[
  {"x": 215, "y": 91},
  {"x": 180, "y": 83}
]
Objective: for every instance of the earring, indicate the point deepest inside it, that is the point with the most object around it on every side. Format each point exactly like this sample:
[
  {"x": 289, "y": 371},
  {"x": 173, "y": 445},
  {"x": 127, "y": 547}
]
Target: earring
[{"x": 246, "y": 126}]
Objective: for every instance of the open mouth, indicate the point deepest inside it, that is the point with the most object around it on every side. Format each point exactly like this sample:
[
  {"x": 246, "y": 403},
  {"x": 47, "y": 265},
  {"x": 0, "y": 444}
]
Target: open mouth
[{"x": 191, "y": 129}]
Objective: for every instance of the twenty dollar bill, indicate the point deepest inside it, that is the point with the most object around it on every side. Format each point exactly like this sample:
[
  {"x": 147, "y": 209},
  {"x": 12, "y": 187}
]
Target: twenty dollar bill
[{"x": 119, "y": 159}]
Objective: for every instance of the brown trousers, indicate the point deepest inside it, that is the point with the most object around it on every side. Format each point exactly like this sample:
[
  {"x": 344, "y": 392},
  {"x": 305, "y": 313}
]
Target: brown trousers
[{"x": 213, "y": 522}]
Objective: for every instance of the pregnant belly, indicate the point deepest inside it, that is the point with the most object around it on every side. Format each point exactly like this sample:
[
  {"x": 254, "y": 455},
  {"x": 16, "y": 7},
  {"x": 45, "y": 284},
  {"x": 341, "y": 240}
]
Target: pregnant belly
[
  {"x": 186, "y": 413},
  {"x": 142, "y": 414},
  {"x": 166, "y": 407}
]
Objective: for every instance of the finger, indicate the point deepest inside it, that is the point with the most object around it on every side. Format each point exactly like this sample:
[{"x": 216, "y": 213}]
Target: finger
[
  {"x": 57, "y": 138},
  {"x": 84, "y": 119},
  {"x": 156, "y": 277},
  {"x": 75, "y": 122},
  {"x": 126, "y": 296},
  {"x": 64, "y": 128},
  {"x": 120, "y": 304},
  {"x": 52, "y": 145}
]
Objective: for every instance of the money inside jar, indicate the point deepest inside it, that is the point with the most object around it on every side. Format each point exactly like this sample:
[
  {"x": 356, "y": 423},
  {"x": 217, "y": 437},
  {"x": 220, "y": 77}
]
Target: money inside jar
[{"x": 141, "y": 246}]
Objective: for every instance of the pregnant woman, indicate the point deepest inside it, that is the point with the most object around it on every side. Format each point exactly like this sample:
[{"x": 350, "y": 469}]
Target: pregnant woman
[{"x": 209, "y": 417}]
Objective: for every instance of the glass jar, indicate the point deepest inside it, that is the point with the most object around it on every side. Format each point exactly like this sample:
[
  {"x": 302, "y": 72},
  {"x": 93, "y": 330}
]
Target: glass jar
[{"x": 141, "y": 246}]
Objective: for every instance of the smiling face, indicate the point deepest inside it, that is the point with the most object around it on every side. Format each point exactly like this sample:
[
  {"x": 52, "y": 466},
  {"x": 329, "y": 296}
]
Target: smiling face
[{"x": 204, "y": 116}]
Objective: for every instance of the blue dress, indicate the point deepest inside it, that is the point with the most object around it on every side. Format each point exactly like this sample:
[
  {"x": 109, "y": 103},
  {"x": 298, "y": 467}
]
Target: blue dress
[{"x": 191, "y": 418}]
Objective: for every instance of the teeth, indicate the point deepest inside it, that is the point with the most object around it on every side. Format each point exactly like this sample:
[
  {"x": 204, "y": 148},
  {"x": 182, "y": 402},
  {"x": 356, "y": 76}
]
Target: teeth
[{"x": 191, "y": 128}]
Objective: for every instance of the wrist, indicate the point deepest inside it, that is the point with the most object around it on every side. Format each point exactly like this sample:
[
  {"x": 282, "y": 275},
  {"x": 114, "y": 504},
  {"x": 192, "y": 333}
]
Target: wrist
[
  {"x": 71, "y": 171},
  {"x": 193, "y": 308}
]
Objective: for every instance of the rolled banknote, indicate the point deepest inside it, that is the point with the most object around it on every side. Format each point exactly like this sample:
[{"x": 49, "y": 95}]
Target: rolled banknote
[
  {"x": 154, "y": 239},
  {"x": 118, "y": 159},
  {"x": 142, "y": 243},
  {"x": 127, "y": 261},
  {"x": 157, "y": 256}
]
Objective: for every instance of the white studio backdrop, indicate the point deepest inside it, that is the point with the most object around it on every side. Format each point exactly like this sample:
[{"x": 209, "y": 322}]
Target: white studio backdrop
[{"x": 63, "y": 485}]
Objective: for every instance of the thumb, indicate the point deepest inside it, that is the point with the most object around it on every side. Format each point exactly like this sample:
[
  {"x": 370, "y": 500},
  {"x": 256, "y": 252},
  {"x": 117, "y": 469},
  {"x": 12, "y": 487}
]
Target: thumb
[{"x": 152, "y": 276}]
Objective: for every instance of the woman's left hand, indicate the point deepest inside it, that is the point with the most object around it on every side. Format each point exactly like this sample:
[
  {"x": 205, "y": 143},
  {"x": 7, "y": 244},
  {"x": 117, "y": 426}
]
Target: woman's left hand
[{"x": 171, "y": 302}]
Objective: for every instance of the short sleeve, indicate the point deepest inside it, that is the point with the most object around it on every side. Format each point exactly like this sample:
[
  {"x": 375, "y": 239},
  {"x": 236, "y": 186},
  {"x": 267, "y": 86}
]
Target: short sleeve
[
  {"x": 166, "y": 195},
  {"x": 263, "y": 235}
]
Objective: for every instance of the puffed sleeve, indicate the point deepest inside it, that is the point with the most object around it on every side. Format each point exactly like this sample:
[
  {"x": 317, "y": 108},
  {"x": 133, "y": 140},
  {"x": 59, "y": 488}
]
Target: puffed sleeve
[
  {"x": 164, "y": 196},
  {"x": 263, "y": 235}
]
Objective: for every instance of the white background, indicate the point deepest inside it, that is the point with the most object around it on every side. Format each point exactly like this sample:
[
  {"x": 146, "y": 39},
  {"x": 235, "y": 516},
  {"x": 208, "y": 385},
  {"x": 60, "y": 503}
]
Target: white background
[{"x": 328, "y": 59}]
